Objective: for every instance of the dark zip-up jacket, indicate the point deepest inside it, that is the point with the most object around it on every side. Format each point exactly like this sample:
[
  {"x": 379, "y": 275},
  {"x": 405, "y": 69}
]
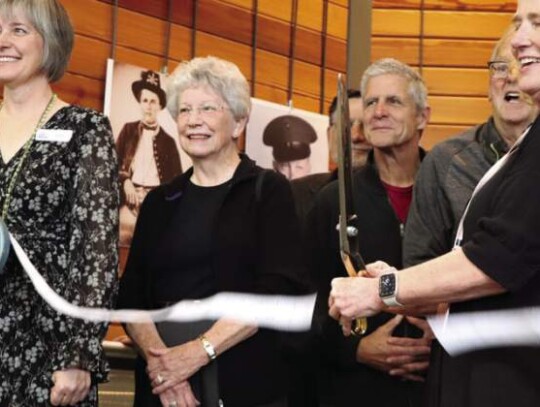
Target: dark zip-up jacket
[
  {"x": 443, "y": 186},
  {"x": 349, "y": 382}
]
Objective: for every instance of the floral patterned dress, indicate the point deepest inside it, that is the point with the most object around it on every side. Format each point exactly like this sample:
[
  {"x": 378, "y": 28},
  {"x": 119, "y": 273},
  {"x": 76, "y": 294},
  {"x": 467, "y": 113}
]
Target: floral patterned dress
[{"x": 64, "y": 213}]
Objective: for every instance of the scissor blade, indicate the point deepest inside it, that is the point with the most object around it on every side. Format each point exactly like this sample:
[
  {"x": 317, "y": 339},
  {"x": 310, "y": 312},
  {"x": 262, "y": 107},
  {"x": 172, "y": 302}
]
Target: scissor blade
[{"x": 348, "y": 225}]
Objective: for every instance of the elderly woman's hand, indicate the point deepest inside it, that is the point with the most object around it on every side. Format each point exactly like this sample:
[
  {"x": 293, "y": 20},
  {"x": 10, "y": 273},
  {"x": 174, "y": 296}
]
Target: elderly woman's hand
[
  {"x": 70, "y": 386},
  {"x": 180, "y": 395},
  {"x": 170, "y": 366}
]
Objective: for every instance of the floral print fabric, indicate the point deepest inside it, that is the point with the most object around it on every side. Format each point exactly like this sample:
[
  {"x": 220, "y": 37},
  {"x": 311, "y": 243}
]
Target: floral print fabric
[{"x": 64, "y": 213}]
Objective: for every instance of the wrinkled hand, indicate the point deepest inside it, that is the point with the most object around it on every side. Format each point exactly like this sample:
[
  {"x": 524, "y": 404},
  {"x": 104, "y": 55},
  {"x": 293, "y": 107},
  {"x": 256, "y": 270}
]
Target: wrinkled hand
[
  {"x": 353, "y": 297},
  {"x": 168, "y": 367},
  {"x": 416, "y": 358},
  {"x": 132, "y": 197},
  {"x": 70, "y": 387},
  {"x": 180, "y": 395}
]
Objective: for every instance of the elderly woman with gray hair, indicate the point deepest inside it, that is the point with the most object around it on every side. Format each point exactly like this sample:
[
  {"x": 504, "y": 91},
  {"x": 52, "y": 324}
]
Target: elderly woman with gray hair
[{"x": 224, "y": 225}]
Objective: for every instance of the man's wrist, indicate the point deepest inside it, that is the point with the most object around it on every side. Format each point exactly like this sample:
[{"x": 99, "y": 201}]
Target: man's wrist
[{"x": 388, "y": 288}]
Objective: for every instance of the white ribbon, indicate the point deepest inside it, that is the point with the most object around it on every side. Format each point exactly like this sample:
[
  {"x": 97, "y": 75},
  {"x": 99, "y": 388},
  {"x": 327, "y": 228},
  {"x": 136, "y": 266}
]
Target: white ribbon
[
  {"x": 286, "y": 313},
  {"x": 465, "y": 332}
]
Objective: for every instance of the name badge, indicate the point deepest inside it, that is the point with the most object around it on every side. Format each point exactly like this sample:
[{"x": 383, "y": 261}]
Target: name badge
[{"x": 54, "y": 135}]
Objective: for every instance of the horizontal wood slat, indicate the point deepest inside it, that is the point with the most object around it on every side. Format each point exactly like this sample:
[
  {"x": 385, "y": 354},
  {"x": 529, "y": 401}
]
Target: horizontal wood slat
[
  {"x": 456, "y": 81},
  {"x": 452, "y": 24},
  {"x": 81, "y": 90},
  {"x": 437, "y": 52},
  {"x": 440, "y": 24},
  {"x": 459, "y": 110},
  {"x": 434, "y": 134},
  {"x": 468, "y": 5}
]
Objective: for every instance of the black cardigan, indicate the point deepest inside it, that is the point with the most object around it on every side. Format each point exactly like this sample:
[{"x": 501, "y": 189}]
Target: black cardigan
[{"x": 255, "y": 239}]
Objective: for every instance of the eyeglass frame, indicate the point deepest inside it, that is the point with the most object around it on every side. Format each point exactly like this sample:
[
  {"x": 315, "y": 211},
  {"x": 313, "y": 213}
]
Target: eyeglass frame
[
  {"x": 496, "y": 74},
  {"x": 184, "y": 115}
]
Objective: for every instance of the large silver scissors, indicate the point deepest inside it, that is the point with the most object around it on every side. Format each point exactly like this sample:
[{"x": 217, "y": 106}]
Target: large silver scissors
[{"x": 348, "y": 221}]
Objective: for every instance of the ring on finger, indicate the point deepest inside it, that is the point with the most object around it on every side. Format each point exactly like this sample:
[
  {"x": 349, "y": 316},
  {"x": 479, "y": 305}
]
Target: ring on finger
[
  {"x": 173, "y": 404},
  {"x": 160, "y": 379}
]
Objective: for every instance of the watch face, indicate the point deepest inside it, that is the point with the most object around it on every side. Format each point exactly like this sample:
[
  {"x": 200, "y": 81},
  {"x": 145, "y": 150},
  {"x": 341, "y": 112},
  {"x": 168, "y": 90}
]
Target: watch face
[{"x": 387, "y": 285}]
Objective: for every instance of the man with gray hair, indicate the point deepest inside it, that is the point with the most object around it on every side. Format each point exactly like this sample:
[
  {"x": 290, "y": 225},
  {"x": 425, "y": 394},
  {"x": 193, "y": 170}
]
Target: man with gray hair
[
  {"x": 385, "y": 366},
  {"x": 451, "y": 171}
]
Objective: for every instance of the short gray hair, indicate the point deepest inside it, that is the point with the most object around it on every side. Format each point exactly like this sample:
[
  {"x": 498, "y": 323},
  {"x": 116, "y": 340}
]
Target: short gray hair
[
  {"x": 222, "y": 76},
  {"x": 51, "y": 21},
  {"x": 390, "y": 66}
]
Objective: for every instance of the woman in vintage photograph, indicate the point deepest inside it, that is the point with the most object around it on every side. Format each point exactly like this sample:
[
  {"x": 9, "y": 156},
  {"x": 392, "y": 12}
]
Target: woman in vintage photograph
[
  {"x": 59, "y": 199},
  {"x": 224, "y": 225}
]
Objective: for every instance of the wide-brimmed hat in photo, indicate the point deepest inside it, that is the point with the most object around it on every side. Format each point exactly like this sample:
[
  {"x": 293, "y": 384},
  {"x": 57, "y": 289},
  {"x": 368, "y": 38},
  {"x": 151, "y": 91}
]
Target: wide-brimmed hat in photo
[{"x": 149, "y": 80}]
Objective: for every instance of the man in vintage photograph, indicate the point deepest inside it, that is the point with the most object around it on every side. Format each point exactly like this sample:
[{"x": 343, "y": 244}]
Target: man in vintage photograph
[
  {"x": 148, "y": 155},
  {"x": 290, "y": 137}
]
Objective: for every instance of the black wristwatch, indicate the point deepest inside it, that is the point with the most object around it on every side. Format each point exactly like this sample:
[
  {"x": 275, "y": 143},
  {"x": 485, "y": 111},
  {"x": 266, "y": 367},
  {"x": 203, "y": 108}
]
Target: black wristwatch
[{"x": 388, "y": 286}]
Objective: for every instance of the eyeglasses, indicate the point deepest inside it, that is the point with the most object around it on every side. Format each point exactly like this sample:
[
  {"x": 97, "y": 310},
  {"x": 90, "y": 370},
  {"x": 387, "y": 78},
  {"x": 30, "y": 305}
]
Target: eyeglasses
[
  {"x": 499, "y": 69},
  {"x": 206, "y": 110}
]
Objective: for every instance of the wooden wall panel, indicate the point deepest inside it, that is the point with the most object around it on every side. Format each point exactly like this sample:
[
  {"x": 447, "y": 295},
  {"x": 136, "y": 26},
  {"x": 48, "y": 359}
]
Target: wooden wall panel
[
  {"x": 81, "y": 90},
  {"x": 89, "y": 57},
  {"x": 459, "y": 110},
  {"x": 469, "y": 25},
  {"x": 456, "y": 81},
  {"x": 454, "y": 5},
  {"x": 435, "y": 133},
  {"x": 458, "y": 37},
  {"x": 384, "y": 23}
]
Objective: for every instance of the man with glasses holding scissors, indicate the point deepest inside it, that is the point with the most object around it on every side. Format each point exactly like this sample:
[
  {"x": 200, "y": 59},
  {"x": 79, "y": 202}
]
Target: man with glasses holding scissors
[
  {"x": 366, "y": 369},
  {"x": 452, "y": 169}
]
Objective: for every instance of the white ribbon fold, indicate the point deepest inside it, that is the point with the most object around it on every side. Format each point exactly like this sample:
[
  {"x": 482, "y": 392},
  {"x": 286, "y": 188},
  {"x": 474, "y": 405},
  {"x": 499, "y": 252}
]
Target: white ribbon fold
[
  {"x": 465, "y": 332},
  {"x": 286, "y": 313}
]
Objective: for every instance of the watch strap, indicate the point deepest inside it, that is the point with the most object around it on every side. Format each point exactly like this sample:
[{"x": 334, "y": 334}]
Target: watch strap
[
  {"x": 208, "y": 348},
  {"x": 390, "y": 299}
]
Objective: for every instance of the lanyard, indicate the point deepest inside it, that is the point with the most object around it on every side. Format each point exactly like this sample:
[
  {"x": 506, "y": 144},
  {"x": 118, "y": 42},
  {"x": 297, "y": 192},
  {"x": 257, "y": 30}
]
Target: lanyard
[{"x": 487, "y": 176}]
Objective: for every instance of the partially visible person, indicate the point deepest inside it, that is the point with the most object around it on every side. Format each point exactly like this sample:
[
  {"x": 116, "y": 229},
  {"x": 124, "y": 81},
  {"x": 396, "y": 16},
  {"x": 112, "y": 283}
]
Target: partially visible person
[
  {"x": 301, "y": 349},
  {"x": 360, "y": 146},
  {"x": 367, "y": 370},
  {"x": 59, "y": 199},
  {"x": 452, "y": 169},
  {"x": 305, "y": 188},
  {"x": 224, "y": 225},
  {"x": 494, "y": 265},
  {"x": 290, "y": 137},
  {"x": 148, "y": 154}
]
